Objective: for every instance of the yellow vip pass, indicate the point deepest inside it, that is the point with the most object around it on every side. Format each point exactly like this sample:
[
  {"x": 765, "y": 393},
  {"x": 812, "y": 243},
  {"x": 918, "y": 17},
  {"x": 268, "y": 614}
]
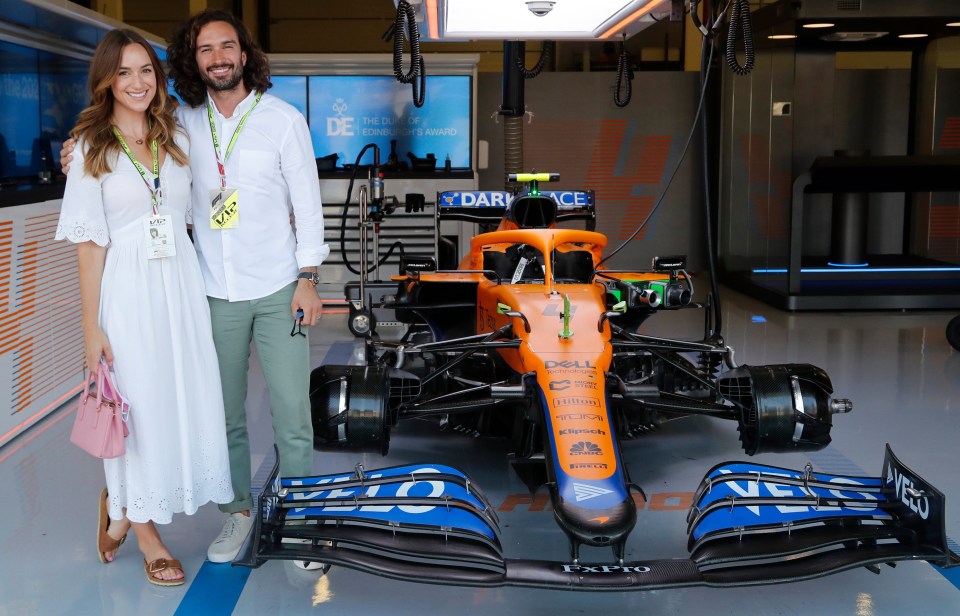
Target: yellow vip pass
[{"x": 224, "y": 208}]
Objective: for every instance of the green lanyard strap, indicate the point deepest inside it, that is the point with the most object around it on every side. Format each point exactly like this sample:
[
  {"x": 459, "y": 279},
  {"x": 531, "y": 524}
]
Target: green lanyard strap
[
  {"x": 222, "y": 160},
  {"x": 155, "y": 188}
]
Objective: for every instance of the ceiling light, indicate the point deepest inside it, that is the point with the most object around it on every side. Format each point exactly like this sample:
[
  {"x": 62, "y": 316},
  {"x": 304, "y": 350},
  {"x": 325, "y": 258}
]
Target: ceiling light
[
  {"x": 463, "y": 20},
  {"x": 852, "y": 37},
  {"x": 917, "y": 35},
  {"x": 779, "y": 37},
  {"x": 954, "y": 24},
  {"x": 820, "y": 25}
]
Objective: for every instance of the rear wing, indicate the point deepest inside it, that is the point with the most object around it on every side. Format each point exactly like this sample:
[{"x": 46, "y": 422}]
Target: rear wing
[{"x": 489, "y": 206}]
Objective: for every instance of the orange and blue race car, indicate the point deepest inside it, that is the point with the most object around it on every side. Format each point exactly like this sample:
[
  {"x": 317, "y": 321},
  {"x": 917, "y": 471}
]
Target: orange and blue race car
[{"x": 531, "y": 338}]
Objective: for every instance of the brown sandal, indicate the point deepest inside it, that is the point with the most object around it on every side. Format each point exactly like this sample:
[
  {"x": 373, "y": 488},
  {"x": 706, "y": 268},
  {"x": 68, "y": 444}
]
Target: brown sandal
[
  {"x": 106, "y": 543},
  {"x": 162, "y": 564}
]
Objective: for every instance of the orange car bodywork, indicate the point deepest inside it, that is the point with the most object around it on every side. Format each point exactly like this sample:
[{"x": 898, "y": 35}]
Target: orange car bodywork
[{"x": 569, "y": 371}]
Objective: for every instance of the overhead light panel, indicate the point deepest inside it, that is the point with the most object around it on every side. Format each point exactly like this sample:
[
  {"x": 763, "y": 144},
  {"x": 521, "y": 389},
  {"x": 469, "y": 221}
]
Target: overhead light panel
[
  {"x": 915, "y": 35},
  {"x": 464, "y": 20},
  {"x": 853, "y": 37},
  {"x": 819, "y": 25}
]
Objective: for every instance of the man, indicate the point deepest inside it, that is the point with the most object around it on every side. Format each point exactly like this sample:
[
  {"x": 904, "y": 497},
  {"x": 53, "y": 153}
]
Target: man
[{"x": 252, "y": 162}]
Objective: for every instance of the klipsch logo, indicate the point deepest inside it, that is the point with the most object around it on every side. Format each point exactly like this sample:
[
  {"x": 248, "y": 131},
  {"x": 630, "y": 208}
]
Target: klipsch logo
[
  {"x": 575, "y": 431},
  {"x": 585, "y": 448}
]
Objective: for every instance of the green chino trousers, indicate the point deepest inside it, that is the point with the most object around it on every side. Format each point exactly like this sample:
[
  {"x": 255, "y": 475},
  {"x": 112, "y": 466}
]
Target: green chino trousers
[{"x": 285, "y": 361}]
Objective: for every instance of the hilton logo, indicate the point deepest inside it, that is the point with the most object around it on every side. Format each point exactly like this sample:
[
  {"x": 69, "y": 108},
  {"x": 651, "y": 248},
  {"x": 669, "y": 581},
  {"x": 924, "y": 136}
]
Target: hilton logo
[{"x": 578, "y": 401}]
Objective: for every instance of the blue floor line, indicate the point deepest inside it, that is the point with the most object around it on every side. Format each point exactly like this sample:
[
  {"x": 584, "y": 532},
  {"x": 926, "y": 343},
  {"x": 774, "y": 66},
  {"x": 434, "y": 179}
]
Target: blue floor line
[
  {"x": 214, "y": 591},
  {"x": 835, "y": 463},
  {"x": 217, "y": 587}
]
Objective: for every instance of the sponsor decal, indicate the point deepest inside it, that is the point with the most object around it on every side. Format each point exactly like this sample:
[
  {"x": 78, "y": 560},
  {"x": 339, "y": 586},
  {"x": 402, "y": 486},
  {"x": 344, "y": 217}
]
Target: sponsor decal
[
  {"x": 556, "y": 310},
  {"x": 585, "y": 448},
  {"x": 563, "y": 384},
  {"x": 755, "y": 489},
  {"x": 580, "y": 417},
  {"x": 577, "y": 401},
  {"x": 598, "y": 465},
  {"x": 569, "y": 363},
  {"x": 602, "y": 519},
  {"x": 908, "y": 495},
  {"x": 583, "y": 431},
  {"x": 565, "y": 199},
  {"x": 584, "y": 492},
  {"x": 524, "y": 502},
  {"x": 605, "y": 569}
]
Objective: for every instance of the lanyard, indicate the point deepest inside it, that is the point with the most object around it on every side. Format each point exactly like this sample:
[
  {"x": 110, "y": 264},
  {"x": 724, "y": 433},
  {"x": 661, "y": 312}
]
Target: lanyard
[
  {"x": 155, "y": 189},
  {"x": 221, "y": 160}
]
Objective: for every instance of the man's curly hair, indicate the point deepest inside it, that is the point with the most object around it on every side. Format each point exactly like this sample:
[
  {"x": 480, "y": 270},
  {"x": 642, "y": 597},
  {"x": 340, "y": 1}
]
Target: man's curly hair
[{"x": 182, "y": 57}]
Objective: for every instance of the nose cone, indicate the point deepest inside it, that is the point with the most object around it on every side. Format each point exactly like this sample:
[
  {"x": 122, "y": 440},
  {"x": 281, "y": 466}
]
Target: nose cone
[{"x": 597, "y": 527}]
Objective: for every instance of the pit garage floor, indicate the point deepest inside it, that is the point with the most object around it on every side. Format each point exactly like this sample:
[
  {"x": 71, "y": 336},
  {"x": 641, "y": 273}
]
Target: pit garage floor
[{"x": 898, "y": 369}]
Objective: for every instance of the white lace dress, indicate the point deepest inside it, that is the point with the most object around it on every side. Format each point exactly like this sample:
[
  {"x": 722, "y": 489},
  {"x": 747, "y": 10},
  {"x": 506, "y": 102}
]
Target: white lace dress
[{"x": 156, "y": 317}]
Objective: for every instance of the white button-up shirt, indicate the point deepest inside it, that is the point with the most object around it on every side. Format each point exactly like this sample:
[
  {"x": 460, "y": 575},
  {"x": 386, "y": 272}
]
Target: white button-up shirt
[{"x": 274, "y": 169}]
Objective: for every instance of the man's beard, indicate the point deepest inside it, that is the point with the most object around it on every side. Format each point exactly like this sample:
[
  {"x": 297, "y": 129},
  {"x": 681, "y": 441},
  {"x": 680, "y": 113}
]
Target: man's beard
[{"x": 231, "y": 82}]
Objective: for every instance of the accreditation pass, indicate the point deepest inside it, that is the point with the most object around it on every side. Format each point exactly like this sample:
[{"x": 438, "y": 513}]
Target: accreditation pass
[
  {"x": 159, "y": 235},
  {"x": 224, "y": 208}
]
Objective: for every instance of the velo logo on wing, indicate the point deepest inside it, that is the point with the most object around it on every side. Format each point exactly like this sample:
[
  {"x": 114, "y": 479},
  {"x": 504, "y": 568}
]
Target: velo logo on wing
[{"x": 585, "y": 448}]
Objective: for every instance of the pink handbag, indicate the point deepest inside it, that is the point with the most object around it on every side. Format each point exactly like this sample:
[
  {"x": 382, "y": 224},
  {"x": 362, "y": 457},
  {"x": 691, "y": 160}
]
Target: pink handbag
[{"x": 100, "y": 426}]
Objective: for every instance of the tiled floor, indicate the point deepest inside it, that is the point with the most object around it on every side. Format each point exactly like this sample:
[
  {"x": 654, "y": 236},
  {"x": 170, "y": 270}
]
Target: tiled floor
[{"x": 900, "y": 372}]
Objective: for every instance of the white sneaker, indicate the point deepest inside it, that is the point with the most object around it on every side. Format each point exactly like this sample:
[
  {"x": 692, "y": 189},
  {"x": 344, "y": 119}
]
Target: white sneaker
[{"x": 228, "y": 543}]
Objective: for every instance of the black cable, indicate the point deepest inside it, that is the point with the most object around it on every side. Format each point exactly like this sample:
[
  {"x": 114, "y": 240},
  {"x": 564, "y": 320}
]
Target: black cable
[
  {"x": 420, "y": 90},
  {"x": 740, "y": 16},
  {"x": 546, "y": 49},
  {"x": 624, "y": 70},
  {"x": 705, "y": 59},
  {"x": 343, "y": 221},
  {"x": 659, "y": 201},
  {"x": 406, "y": 13}
]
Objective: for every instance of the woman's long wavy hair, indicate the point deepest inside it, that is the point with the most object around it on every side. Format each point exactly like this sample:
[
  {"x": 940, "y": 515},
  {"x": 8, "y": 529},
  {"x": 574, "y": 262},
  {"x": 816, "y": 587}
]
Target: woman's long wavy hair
[
  {"x": 95, "y": 124},
  {"x": 182, "y": 57}
]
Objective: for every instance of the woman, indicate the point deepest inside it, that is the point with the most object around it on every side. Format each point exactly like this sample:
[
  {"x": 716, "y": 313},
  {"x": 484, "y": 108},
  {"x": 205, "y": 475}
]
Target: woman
[{"x": 144, "y": 311}]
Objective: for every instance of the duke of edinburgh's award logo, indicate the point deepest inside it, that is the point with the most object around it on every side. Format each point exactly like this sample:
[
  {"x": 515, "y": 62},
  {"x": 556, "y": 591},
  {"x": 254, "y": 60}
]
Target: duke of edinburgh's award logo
[
  {"x": 585, "y": 448},
  {"x": 340, "y": 125}
]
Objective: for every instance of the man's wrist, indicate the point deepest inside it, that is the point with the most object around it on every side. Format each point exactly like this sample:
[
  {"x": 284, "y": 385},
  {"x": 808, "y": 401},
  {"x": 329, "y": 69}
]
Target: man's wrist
[{"x": 310, "y": 276}]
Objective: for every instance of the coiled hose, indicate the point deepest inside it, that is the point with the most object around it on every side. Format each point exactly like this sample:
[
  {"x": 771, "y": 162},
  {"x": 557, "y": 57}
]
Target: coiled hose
[
  {"x": 407, "y": 15},
  {"x": 546, "y": 49},
  {"x": 740, "y": 16}
]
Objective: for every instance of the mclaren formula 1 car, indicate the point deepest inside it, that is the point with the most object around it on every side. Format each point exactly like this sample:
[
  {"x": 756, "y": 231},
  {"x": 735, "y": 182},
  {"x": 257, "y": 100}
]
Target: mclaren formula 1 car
[{"x": 532, "y": 339}]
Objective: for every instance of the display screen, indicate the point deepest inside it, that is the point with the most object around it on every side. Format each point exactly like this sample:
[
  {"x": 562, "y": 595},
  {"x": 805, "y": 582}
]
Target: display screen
[{"x": 349, "y": 112}]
